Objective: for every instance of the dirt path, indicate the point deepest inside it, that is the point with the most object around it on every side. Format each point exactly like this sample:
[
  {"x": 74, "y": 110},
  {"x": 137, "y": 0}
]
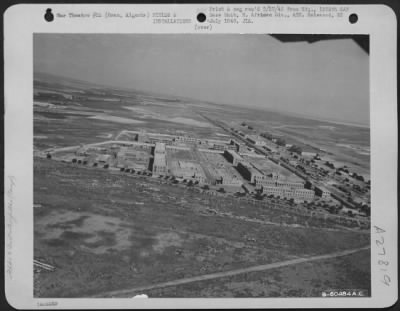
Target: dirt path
[{"x": 139, "y": 290}]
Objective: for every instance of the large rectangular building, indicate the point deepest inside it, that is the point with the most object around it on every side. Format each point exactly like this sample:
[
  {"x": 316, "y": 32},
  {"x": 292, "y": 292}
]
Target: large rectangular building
[
  {"x": 248, "y": 172},
  {"x": 186, "y": 139},
  {"x": 187, "y": 170},
  {"x": 233, "y": 157},
  {"x": 160, "y": 160},
  {"x": 322, "y": 192},
  {"x": 227, "y": 177},
  {"x": 272, "y": 181},
  {"x": 133, "y": 157},
  {"x": 160, "y": 148},
  {"x": 159, "y": 164},
  {"x": 298, "y": 195}
]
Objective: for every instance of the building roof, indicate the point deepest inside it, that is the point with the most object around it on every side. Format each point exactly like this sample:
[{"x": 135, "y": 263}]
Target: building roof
[
  {"x": 234, "y": 154},
  {"x": 160, "y": 148},
  {"x": 322, "y": 188},
  {"x": 159, "y": 159},
  {"x": 251, "y": 168}
]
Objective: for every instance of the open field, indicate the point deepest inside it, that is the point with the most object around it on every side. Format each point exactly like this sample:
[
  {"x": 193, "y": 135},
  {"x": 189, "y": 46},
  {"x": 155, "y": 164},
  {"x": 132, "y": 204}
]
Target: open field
[
  {"x": 105, "y": 231},
  {"x": 301, "y": 280},
  {"x": 116, "y": 119}
]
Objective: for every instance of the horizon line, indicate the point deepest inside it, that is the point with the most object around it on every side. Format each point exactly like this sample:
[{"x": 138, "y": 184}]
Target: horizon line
[{"x": 293, "y": 114}]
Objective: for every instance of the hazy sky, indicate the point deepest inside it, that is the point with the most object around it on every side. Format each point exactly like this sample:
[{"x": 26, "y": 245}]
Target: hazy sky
[{"x": 326, "y": 79}]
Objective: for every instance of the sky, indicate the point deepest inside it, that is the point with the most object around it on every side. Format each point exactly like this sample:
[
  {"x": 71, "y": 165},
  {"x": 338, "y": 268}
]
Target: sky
[{"x": 326, "y": 79}]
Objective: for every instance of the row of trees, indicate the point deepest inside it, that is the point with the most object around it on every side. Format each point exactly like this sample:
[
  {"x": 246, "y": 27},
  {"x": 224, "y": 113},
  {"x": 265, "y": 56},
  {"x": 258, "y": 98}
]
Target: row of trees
[
  {"x": 354, "y": 175},
  {"x": 330, "y": 165},
  {"x": 358, "y": 177},
  {"x": 281, "y": 142}
]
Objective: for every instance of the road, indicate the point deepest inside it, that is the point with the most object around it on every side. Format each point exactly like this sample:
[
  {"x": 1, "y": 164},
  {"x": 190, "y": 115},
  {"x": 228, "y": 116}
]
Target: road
[
  {"x": 261, "y": 268},
  {"x": 56, "y": 149}
]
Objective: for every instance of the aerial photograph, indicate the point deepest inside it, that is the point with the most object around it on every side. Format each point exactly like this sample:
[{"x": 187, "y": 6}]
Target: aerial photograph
[{"x": 201, "y": 165}]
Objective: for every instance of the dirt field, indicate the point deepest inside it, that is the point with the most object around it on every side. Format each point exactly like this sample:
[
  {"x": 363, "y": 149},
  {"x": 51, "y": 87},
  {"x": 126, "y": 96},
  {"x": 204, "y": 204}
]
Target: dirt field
[{"x": 107, "y": 231}]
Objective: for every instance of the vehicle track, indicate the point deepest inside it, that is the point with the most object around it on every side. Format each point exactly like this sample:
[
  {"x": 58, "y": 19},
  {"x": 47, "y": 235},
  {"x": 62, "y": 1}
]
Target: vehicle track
[{"x": 136, "y": 290}]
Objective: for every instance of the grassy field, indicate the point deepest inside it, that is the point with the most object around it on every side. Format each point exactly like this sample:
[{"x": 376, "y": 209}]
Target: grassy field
[
  {"x": 106, "y": 231},
  {"x": 302, "y": 280}
]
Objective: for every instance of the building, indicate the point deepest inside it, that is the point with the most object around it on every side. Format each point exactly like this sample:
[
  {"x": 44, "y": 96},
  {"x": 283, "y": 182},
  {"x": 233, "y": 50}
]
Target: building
[
  {"x": 308, "y": 184},
  {"x": 290, "y": 184},
  {"x": 228, "y": 178},
  {"x": 309, "y": 154},
  {"x": 185, "y": 139},
  {"x": 89, "y": 150},
  {"x": 233, "y": 157},
  {"x": 127, "y": 164},
  {"x": 160, "y": 148},
  {"x": 133, "y": 157},
  {"x": 231, "y": 147},
  {"x": 152, "y": 138},
  {"x": 322, "y": 192},
  {"x": 200, "y": 177},
  {"x": 186, "y": 170},
  {"x": 260, "y": 183},
  {"x": 160, "y": 160},
  {"x": 134, "y": 154},
  {"x": 236, "y": 145},
  {"x": 263, "y": 180},
  {"x": 212, "y": 151},
  {"x": 252, "y": 154},
  {"x": 272, "y": 180},
  {"x": 219, "y": 146},
  {"x": 159, "y": 164},
  {"x": 157, "y": 139},
  {"x": 298, "y": 195},
  {"x": 247, "y": 171},
  {"x": 256, "y": 140},
  {"x": 241, "y": 148}
]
